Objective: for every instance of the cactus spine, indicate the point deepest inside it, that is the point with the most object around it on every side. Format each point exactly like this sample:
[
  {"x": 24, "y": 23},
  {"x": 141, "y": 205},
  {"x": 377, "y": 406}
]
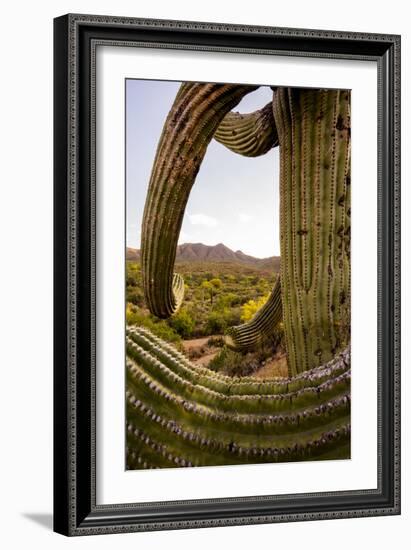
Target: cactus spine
[
  {"x": 191, "y": 123},
  {"x": 314, "y": 134}
]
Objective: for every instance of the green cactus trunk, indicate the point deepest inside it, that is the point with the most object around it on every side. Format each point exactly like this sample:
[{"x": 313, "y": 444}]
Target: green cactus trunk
[
  {"x": 314, "y": 134},
  {"x": 313, "y": 130}
]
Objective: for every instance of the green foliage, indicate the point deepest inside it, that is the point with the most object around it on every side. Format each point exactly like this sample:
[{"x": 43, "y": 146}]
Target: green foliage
[
  {"x": 237, "y": 363},
  {"x": 228, "y": 300},
  {"x": 160, "y": 328},
  {"x": 232, "y": 363},
  {"x": 216, "y": 341},
  {"x": 216, "y": 323},
  {"x": 216, "y": 283},
  {"x": 207, "y": 290},
  {"x": 135, "y": 296},
  {"x": 200, "y": 316},
  {"x": 182, "y": 323}
]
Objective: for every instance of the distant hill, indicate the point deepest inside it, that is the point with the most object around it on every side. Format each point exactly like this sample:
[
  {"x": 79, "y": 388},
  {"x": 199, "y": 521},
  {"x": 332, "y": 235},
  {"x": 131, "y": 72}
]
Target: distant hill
[
  {"x": 132, "y": 254},
  {"x": 198, "y": 252}
]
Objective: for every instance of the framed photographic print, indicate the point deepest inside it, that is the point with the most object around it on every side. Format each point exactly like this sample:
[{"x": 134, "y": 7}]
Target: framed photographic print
[{"x": 227, "y": 278}]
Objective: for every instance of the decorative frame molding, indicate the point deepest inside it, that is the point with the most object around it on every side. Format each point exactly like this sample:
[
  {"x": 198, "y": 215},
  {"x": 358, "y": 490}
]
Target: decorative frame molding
[{"x": 75, "y": 41}]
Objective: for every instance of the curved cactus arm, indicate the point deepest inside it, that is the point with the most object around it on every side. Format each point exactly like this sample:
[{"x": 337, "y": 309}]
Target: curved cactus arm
[
  {"x": 191, "y": 123},
  {"x": 250, "y": 135},
  {"x": 173, "y": 420},
  {"x": 262, "y": 324}
]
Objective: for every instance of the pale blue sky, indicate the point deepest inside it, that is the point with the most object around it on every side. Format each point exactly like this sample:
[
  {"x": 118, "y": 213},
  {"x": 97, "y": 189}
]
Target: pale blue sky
[{"x": 235, "y": 200}]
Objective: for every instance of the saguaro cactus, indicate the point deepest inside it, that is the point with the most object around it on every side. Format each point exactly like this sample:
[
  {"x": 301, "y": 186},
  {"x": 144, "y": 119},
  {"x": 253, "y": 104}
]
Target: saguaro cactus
[
  {"x": 314, "y": 134},
  {"x": 182, "y": 415},
  {"x": 262, "y": 324},
  {"x": 193, "y": 119},
  {"x": 312, "y": 128},
  {"x": 251, "y": 134}
]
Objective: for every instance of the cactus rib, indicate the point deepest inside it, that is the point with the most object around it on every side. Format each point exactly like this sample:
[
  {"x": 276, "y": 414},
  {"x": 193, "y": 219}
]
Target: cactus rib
[
  {"x": 194, "y": 117},
  {"x": 175, "y": 420},
  {"x": 179, "y": 365},
  {"x": 314, "y": 132},
  {"x": 262, "y": 324},
  {"x": 251, "y": 134}
]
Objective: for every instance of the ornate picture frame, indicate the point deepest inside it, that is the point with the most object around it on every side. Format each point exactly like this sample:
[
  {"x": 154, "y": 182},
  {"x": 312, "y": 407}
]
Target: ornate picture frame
[{"x": 76, "y": 41}]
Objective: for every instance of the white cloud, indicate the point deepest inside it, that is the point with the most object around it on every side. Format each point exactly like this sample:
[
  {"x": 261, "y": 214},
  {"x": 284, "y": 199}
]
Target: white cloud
[
  {"x": 244, "y": 218},
  {"x": 202, "y": 219},
  {"x": 184, "y": 237}
]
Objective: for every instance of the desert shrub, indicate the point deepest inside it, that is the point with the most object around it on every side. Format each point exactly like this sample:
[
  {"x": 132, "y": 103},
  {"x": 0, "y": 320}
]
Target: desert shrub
[
  {"x": 233, "y": 363},
  {"x": 182, "y": 323},
  {"x": 194, "y": 353},
  {"x": 216, "y": 282},
  {"x": 160, "y": 328},
  {"x": 214, "y": 296},
  {"x": 216, "y": 323},
  {"x": 250, "y": 308},
  {"x": 216, "y": 341},
  {"x": 232, "y": 316},
  {"x": 253, "y": 280},
  {"x": 220, "y": 318},
  {"x": 131, "y": 280},
  {"x": 228, "y": 300},
  {"x": 135, "y": 295}
]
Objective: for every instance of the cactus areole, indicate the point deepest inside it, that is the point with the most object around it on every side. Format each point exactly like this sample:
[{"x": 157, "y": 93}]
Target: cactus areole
[{"x": 312, "y": 130}]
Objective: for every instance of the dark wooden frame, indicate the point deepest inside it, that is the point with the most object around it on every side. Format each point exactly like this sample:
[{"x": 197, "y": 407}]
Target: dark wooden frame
[{"x": 75, "y": 40}]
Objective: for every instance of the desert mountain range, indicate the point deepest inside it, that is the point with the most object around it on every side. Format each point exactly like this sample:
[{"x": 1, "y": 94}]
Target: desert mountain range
[{"x": 193, "y": 252}]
